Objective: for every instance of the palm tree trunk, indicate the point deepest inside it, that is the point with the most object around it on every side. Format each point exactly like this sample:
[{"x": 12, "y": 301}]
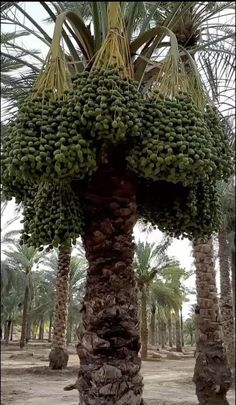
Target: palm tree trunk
[
  {"x": 174, "y": 334},
  {"x": 58, "y": 357},
  {"x": 191, "y": 338},
  {"x": 181, "y": 325},
  {"x": 109, "y": 340},
  {"x": 69, "y": 330},
  {"x": 41, "y": 329},
  {"x": 28, "y": 324},
  {"x": 159, "y": 333},
  {"x": 28, "y": 330},
  {"x": 7, "y": 329},
  {"x": 24, "y": 317},
  {"x": 157, "y": 337},
  {"x": 11, "y": 331},
  {"x": 226, "y": 302},
  {"x": 34, "y": 331},
  {"x": 153, "y": 326},
  {"x": 178, "y": 332},
  {"x": 233, "y": 276},
  {"x": 162, "y": 335},
  {"x": 50, "y": 329},
  {"x": 212, "y": 375},
  {"x": 170, "y": 332},
  {"x": 144, "y": 328}
]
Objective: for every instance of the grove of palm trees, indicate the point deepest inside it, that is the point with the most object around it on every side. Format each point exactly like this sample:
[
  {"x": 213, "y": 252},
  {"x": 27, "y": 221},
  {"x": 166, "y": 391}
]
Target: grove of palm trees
[{"x": 120, "y": 121}]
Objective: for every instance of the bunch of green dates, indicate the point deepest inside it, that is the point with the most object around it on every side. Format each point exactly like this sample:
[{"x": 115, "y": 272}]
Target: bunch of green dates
[
  {"x": 180, "y": 211},
  {"x": 180, "y": 143},
  {"x": 43, "y": 143},
  {"x": 52, "y": 216},
  {"x": 108, "y": 108}
]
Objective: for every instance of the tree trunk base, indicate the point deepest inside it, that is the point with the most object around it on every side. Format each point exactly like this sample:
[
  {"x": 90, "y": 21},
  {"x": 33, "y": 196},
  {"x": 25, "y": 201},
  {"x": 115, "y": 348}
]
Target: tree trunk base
[
  {"x": 116, "y": 383},
  {"x": 58, "y": 358},
  {"x": 108, "y": 337},
  {"x": 212, "y": 375},
  {"x": 22, "y": 344}
]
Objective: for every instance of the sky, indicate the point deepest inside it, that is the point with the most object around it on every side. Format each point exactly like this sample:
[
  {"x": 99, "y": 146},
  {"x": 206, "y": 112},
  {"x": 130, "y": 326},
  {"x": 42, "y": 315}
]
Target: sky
[{"x": 180, "y": 249}]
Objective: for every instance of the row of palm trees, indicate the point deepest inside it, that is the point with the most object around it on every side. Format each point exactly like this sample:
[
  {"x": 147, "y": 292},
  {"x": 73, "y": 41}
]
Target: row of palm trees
[
  {"x": 28, "y": 282},
  {"x": 28, "y": 291}
]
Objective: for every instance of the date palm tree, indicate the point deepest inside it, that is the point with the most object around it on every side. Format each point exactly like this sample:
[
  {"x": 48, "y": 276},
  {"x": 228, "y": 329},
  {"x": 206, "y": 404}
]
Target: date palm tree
[
  {"x": 12, "y": 293},
  {"x": 76, "y": 291},
  {"x": 23, "y": 258},
  {"x": 162, "y": 301},
  {"x": 149, "y": 259},
  {"x": 226, "y": 300},
  {"x": 189, "y": 330},
  {"x": 69, "y": 270},
  {"x": 109, "y": 339},
  {"x": 211, "y": 388}
]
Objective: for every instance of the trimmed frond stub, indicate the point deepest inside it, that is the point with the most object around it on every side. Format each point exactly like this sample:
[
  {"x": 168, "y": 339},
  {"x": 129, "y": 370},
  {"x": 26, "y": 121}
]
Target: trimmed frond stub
[{"x": 115, "y": 50}]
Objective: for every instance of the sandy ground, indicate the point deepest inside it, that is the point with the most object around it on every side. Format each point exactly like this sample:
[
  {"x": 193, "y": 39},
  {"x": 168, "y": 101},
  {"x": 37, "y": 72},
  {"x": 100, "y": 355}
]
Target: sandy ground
[{"x": 26, "y": 380}]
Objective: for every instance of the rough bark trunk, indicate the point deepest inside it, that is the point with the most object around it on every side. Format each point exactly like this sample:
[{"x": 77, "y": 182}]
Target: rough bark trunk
[
  {"x": 109, "y": 340},
  {"x": 212, "y": 374},
  {"x": 69, "y": 331},
  {"x": 34, "y": 330},
  {"x": 232, "y": 254},
  {"x": 178, "y": 333},
  {"x": 182, "y": 326},
  {"x": 226, "y": 302},
  {"x": 191, "y": 339},
  {"x": 24, "y": 317},
  {"x": 162, "y": 335},
  {"x": 157, "y": 337},
  {"x": 153, "y": 326},
  {"x": 41, "y": 329},
  {"x": 170, "y": 332},
  {"x": 159, "y": 334},
  {"x": 165, "y": 334},
  {"x": 7, "y": 328},
  {"x": 139, "y": 310},
  {"x": 50, "y": 329},
  {"x": 144, "y": 327},
  {"x": 58, "y": 357},
  {"x": 11, "y": 331},
  {"x": 28, "y": 323},
  {"x": 174, "y": 334}
]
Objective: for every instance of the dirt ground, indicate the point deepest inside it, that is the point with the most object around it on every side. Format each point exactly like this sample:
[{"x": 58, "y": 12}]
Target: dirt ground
[{"x": 26, "y": 379}]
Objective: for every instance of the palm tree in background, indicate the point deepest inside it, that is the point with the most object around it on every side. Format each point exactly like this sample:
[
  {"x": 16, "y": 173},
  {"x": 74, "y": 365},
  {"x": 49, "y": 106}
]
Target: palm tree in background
[
  {"x": 226, "y": 300},
  {"x": 67, "y": 279},
  {"x": 185, "y": 19},
  {"x": 23, "y": 258},
  {"x": 189, "y": 330},
  {"x": 209, "y": 334},
  {"x": 12, "y": 293},
  {"x": 76, "y": 290},
  {"x": 163, "y": 301},
  {"x": 7, "y": 236},
  {"x": 149, "y": 258}
]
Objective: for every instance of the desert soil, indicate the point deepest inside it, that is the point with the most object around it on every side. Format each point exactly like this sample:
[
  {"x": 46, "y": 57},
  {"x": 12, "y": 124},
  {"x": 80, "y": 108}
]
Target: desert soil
[{"x": 26, "y": 379}]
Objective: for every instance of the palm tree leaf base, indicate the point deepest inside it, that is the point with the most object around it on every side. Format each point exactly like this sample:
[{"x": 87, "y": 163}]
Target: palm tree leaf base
[
  {"x": 108, "y": 336},
  {"x": 58, "y": 358},
  {"x": 212, "y": 375}
]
